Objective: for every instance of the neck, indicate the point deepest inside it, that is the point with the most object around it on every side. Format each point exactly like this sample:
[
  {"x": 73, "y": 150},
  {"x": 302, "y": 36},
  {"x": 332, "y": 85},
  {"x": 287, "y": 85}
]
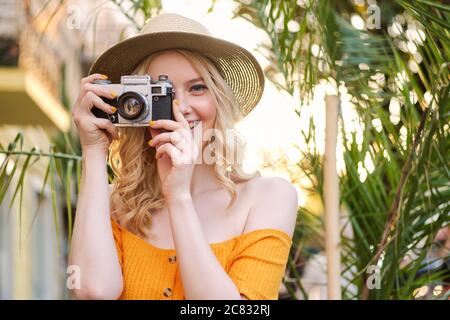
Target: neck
[{"x": 203, "y": 179}]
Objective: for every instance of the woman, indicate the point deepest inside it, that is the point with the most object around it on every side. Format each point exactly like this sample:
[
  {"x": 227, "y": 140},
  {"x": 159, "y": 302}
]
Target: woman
[{"x": 174, "y": 224}]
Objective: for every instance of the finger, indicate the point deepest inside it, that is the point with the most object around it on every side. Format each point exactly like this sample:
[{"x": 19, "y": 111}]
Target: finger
[
  {"x": 99, "y": 90},
  {"x": 110, "y": 138},
  {"x": 179, "y": 115},
  {"x": 154, "y": 132},
  {"x": 165, "y": 124},
  {"x": 172, "y": 137},
  {"x": 107, "y": 125},
  {"x": 91, "y": 99},
  {"x": 88, "y": 79},
  {"x": 93, "y": 77},
  {"x": 168, "y": 137},
  {"x": 168, "y": 149}
]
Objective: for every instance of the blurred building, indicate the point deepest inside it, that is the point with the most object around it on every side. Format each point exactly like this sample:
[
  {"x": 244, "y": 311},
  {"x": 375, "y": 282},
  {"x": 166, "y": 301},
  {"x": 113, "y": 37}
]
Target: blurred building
[{"x": 36, "y": 68}]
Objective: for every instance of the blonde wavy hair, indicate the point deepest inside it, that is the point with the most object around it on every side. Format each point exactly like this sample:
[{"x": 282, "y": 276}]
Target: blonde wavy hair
[{"x": 137, "y": 188}]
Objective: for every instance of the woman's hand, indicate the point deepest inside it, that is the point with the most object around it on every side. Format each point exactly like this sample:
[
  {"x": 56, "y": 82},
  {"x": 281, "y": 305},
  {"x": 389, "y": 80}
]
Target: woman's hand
[
  {"x": 95, "y": 133},
  {"x": 176, "y": 153}
]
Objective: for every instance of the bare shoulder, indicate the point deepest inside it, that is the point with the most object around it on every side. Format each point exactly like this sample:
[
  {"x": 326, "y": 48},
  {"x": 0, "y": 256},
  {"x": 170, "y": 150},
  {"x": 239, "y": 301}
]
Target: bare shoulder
[{"x": 274, "y": 204}]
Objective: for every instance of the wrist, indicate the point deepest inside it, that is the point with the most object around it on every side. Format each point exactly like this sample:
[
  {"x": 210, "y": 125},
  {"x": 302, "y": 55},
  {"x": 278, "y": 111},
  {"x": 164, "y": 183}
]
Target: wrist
[
  {"x": 93, "y": 161},
  {"x": 93, "y": 153},
  {"x": 178, "y": 197}
]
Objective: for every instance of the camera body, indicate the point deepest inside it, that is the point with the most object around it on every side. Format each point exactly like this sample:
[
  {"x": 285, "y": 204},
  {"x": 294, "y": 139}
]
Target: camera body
[{"x": 139, "y": 100}]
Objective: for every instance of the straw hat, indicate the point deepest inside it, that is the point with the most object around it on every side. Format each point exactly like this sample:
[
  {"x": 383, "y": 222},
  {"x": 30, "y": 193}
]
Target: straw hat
[{"x": 237, "y": 66}]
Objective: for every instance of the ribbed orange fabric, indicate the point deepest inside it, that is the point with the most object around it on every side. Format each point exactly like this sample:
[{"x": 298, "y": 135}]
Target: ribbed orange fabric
[{"x": 255, "y": 261}]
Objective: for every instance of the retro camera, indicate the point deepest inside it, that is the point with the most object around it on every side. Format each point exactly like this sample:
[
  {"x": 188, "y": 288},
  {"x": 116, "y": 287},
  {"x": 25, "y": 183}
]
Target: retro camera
[{"x": 139, "y": 100}]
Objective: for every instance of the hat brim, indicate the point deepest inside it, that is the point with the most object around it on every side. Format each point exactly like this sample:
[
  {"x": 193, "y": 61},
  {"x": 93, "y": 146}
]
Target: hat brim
[{"x": 239, "y": 67}]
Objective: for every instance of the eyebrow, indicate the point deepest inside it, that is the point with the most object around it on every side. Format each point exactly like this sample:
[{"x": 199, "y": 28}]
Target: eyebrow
[{"x": 194, "y": 80}]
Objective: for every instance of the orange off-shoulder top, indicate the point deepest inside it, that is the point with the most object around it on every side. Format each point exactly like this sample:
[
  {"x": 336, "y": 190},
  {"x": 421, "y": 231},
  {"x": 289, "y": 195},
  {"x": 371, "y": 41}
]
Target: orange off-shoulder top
[{"x": 255, "y": 261}]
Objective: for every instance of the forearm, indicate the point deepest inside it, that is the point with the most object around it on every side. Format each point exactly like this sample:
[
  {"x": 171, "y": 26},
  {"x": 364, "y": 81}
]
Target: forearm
[
  {"x": 92, "y": 246},
  {"x": 196, "y": 257}
]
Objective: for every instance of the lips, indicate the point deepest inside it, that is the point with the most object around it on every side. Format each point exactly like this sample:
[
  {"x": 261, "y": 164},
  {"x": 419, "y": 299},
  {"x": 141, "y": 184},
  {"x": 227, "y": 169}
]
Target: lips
[{"x": 192, "y": 124}]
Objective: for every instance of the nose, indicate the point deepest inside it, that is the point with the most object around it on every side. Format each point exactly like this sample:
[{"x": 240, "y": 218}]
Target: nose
[{"x": 184, "y": 106}]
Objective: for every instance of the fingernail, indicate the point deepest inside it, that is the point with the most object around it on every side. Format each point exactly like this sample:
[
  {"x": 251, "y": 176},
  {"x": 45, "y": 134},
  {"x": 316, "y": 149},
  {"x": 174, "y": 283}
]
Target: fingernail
[
  {"x": 150, "y": 142},
  {"x": 104, "y": 76},
  {"x": 113, "y": 93},
  {"x": 176, "y": 102},
  {"x": 113, "y": 109},
  {"x": 152, "y": 122}
]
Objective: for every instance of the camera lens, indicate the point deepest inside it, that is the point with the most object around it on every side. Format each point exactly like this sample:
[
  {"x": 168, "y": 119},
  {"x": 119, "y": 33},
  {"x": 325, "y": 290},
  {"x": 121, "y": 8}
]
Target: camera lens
[{"x": 131, "y": 105}]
